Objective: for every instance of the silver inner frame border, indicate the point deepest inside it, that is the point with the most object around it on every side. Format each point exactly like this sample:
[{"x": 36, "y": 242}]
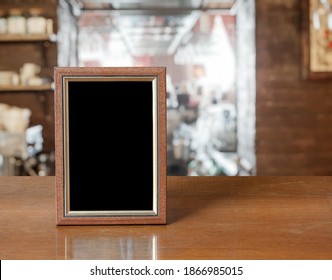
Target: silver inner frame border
[{"x": 66, "y": 176}]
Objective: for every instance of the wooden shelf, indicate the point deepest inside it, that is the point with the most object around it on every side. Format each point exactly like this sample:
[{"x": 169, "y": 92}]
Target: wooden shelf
[
  {"x": 27, "y": 38},
  {"x": 20, "y": 88}
]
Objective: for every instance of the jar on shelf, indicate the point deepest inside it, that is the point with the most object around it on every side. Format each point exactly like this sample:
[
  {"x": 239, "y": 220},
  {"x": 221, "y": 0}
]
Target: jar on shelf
[
  {"x": 3, "y": 23},
  {"x": 49, "y": 26},
  {"x": 16, "y": 22},
  {"x": 36, "y": 23}
]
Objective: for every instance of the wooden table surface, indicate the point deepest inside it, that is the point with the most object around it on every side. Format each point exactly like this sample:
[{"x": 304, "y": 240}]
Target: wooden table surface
[{"x": 208, "y": 218}]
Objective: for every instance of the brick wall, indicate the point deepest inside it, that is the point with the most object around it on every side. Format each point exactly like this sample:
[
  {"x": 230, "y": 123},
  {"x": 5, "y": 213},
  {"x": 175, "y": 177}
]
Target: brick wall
[{"x": 293, "y": 115}]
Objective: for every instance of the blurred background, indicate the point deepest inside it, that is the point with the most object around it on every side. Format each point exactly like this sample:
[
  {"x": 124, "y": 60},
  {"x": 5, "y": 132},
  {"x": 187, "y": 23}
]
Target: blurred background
[
  {"x": 197, "y": 45},
  {"x": 237, "y": 103}
]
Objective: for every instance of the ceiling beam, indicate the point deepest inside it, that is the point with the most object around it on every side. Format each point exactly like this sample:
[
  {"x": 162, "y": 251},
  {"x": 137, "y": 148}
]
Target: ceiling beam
[
  {"x": 183, "y": 31},
  {"x": 156, "y": 9}
]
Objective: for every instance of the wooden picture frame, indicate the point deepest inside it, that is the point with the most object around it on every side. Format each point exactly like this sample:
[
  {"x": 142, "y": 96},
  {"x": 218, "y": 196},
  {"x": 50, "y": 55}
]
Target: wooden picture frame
[
  {"x": 116, "y": 179},
  {"x": 316, "y": 41}
]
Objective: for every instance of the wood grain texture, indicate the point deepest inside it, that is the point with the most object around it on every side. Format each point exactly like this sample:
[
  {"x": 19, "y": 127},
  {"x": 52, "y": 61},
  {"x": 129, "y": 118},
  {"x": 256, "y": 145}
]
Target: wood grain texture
[
  {"x": 130, "y": 72},
  {"x": 59, "y": 142},
  {"x": 208, "y": 218}
]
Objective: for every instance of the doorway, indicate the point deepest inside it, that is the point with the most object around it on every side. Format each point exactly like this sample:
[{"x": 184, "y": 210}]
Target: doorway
[{"x": 198, "y": 46}]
